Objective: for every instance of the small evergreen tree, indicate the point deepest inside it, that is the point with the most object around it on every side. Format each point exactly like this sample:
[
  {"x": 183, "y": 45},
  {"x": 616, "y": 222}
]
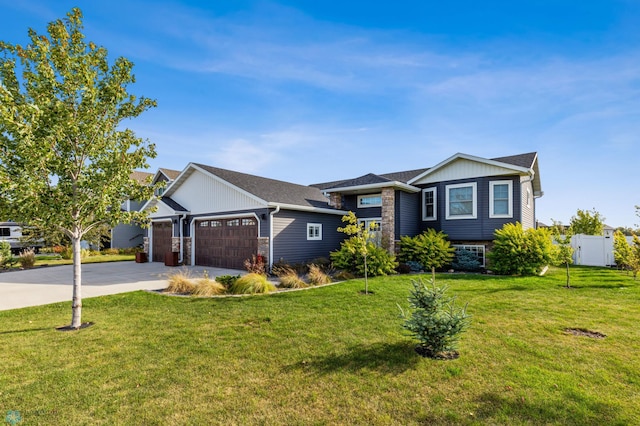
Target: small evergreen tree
[
  {"x": 465, "y": 260},
  {"x": 434, "y": 321},
  {"x": 431, "y": 249}
]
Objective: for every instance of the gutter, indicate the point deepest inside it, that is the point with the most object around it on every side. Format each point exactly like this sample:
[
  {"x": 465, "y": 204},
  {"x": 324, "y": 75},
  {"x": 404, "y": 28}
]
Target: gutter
[
  {"x": 271, "y": 215},
  {"x": 180, "y": 223}
]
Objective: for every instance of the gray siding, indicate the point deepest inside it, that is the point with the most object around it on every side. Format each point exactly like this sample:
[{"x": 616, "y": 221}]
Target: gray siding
[
  {"x": 408, "y": 214},
  {"x": 125, "y": 236},
  {"x": 290, "y": 236},
  {"x": 483, "y": 227}
]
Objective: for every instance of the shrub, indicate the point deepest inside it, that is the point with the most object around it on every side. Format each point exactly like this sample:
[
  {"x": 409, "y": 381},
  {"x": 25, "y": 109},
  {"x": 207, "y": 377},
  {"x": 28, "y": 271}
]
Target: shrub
[
  {"x": 206, "y": 287},
  {"x": 255, "y": 265},
  {"x": 27, "y": 258},
  {"x": 110, "y": 251},
  {"x": 317, "y": 276},
  {"x": 379, "y": 261},
  {"x": 227, "y": 280},
  {"x": 466, "y": 260},
  {"x": 520, "y": 252},
  {"x": 415, "y": 266},
  {"x": 435, "y": 321},
  {"x": 289, "y": 279},
  {"x": 252, "y": 283},
  {"x": 180, "y": 282},
  {"x": 403, "y": 268},
  {"x": 431, "y": 249},
  {"x": 6, "y": 257}
]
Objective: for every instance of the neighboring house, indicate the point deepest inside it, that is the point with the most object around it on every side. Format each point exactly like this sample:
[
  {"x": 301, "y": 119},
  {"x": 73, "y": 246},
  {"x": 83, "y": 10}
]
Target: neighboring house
[
  {"x": 218, "y": 217},
  {"x": 132, "y": 235},
  {"x": 11, "y": 232},
  {"x": 466, "y": 197}
]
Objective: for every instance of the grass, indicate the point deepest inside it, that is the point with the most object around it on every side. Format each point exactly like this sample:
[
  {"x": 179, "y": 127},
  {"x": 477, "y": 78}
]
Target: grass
[{"x": 332, "y": 355}]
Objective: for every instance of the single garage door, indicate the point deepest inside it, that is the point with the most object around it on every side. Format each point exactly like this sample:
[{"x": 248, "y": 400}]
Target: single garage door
[
  {"x": 226, "y": 243},
  {"x": 161, "y": 242}
]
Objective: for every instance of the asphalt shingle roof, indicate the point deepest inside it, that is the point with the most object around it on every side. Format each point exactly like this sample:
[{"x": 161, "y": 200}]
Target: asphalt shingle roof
[{"x": 272, "y": 190}]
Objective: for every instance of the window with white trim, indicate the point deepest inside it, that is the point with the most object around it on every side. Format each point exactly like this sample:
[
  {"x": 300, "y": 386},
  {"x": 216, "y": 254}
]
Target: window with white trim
[
  {"x": 528, "y": 198},
  {"x": 430, "y": 203},
  {"x": 314, "y": 231},
  {"x": 374, "y": 226},
  {"x": 371, "y": 200},
  {"x": 478, "y": 250},
  {"x": 462, "y": 201},
  {"x": 501, "y": 198}
]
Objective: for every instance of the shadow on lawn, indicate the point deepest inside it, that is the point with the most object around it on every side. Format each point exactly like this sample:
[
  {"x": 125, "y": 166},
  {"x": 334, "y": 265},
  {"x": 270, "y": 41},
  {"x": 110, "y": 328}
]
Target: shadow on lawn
[
  {"x": 26, "y": 330},
  {"x": 387, "y": 358},
  {"x": 567, "y": 409}
]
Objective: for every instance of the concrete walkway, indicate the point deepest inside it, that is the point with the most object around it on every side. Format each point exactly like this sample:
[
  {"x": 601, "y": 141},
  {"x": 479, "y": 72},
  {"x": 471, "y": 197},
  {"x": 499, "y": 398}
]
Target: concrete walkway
[{"x": 41, "y": 286}]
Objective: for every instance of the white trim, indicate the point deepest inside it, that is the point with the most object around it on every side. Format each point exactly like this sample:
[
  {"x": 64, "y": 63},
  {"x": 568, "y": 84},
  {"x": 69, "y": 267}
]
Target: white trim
[
  {"x": 366, "y": 206},
  {"x": 314, "y": 226},
  {"x": 529, "y": 198},
  {"x": 395, "y": 184},
  {"x": 492, "y": 185},
  {"x": 474, "y": 246},
  {"x": 433, "y": 189},
  {"x": 474, "y": 206},
  {"x": 308, "y": 208},
  {"x": 215, "y": 217}
]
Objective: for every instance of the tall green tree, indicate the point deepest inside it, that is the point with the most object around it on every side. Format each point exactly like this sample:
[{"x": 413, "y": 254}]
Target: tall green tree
[
  {"x": 431, "y": 249},
  {"x": 65, "y": 155},
  {"x": 622, "y": 251},
  {"x": 587, "y": 222}
]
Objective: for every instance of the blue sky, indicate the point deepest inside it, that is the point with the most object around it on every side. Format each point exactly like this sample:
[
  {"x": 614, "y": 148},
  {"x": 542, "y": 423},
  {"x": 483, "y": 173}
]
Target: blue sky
[{"x": 309, "y": 91}]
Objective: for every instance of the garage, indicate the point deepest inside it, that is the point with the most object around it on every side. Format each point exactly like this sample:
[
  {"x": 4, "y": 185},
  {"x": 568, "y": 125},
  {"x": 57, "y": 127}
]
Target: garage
[
  {"x": 161, "y": 240},
  {"x": 225, "y": 243}
]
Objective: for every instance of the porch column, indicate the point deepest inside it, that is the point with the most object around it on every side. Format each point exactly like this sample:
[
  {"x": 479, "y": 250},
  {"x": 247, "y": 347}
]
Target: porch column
[{"x": 388, "y": 224}]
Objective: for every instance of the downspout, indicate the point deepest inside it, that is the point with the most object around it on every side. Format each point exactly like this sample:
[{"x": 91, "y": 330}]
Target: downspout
[
  {"x": 181, "y": 254},
  {"x": 273, "y": 213}
]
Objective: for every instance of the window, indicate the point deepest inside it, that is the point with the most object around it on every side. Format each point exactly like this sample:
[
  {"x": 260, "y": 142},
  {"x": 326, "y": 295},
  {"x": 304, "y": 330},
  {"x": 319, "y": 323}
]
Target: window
[
  {"x": 478, "y": 250},
  {"x": 314, "y": 231},
  {"x": 233, "y": 222},
  {"x": 216, "y": 223},
  {"x": 204, "y": 224},
  {"x": 373, "y": 225},
  {"x": 462, "y": 201},
  {"x": 500, "y": 201},
  {"x": 248, "y": 222},
  {"x": 528, "y": 198},
  {"x": 373, "y": 200},
  {"x": 429, "y": 204}
]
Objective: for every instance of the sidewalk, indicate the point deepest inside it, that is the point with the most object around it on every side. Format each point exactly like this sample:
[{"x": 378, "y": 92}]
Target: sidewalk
[{"x": 41, "y": 286}]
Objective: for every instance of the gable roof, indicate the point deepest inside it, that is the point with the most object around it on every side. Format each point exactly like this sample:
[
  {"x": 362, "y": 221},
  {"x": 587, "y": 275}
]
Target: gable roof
[
  {"x": 139, "y": 176},
  {"x": 169, "y": 173}
]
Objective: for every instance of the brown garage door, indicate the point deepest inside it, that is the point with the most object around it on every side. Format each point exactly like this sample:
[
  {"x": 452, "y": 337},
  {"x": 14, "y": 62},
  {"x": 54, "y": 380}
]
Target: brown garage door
[
  {"x": 162, "y": 232},
  {"x": 226, "y": 243}
]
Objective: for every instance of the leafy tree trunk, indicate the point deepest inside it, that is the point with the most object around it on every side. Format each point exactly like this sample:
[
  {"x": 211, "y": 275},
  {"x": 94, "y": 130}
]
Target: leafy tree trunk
[
  {"x": 568, "y": 275},
  {"x": 366, "y": 282},
  {"x": 76, "y": 305},
  {"x": 433, "y": 274}
]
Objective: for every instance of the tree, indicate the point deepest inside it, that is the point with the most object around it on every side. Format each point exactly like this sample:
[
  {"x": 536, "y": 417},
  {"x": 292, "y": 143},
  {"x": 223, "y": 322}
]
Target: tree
[
  {"x": 564, "y": 251},
  {"x": 65, "y": 160},
  {"x": 360, "y": 245},
  {"x": 622, "y": 251},
  {"x": 587, "y": 222},
  {"x": 431, "y": 249}
]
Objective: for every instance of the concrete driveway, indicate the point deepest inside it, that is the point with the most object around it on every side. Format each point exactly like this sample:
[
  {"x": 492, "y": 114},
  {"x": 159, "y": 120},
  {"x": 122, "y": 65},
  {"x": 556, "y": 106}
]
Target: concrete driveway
[{"x": 41, "y": 286}]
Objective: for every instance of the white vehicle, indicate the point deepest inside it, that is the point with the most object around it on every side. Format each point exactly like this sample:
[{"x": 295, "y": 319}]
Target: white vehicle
[{"x": 12, "y": 233}]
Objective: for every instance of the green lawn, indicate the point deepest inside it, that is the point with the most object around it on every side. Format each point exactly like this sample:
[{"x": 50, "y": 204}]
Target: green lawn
[{"x": 332, "y": 356}]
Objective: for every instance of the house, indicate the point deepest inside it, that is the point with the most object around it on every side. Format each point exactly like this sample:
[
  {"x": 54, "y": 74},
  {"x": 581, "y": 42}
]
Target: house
[
  {"x": 464, "y": 196},
  {"x": 216, "y": 217},
  {"x": 132, "y": 235}
]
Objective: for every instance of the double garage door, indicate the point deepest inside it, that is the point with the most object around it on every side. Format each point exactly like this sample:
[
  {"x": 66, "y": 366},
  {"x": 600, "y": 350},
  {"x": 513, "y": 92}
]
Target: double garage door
[{"x": 225, "y": 243}]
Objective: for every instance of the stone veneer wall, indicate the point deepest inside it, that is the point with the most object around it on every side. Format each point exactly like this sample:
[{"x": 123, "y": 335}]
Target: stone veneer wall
[
  {"x": 263, "y": 248},
  {"x": 186, "y": 255},
  {"x": 335, "y": 200},
  {"x": 145, "y": 245},
  {"x": 388, "y": 219}
]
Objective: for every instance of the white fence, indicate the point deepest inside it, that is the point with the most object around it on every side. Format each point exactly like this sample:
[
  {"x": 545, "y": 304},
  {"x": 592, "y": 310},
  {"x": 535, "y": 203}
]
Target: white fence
[{"x": 593, "y": 250}]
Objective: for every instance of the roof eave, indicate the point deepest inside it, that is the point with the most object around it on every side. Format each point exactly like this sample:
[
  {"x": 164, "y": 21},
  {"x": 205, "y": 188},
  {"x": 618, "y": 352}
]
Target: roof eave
[
  {"x": 308, "y": 208},
  {"x": 379, "y": 185}
]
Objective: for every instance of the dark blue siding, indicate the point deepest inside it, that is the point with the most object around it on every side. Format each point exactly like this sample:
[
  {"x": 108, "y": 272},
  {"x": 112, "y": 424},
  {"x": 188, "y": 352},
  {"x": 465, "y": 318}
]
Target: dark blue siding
[
  {"x": 351, "y": 203},
  {"x": 483, "y": 227},
  {"x": 408, "y": 214},
  {"x": 290, "y": 236}
]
